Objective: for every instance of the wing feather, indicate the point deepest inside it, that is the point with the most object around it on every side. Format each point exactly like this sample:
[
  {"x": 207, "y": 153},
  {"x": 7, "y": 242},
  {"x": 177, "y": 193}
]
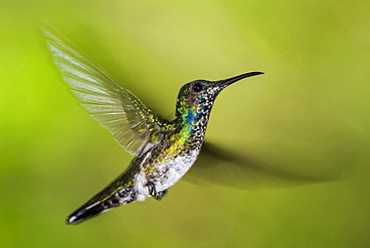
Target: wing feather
[{"x": 134, "y": 126}]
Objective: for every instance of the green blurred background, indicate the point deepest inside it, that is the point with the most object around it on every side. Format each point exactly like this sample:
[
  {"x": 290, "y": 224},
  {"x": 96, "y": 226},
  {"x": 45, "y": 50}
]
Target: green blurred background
[{"x": 310, "y": 113}]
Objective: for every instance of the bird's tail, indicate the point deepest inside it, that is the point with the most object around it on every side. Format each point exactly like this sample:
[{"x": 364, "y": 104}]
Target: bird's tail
[{"x": 112, "y": 196}]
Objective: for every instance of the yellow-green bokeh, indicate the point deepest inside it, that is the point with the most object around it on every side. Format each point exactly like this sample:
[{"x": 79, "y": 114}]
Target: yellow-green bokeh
[{"x": 309, "y": 113}]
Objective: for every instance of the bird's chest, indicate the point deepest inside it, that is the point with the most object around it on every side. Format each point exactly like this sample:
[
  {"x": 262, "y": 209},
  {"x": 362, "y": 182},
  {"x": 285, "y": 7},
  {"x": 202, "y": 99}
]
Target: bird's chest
[
  {"x": 164, "y": 171},
  {"x": 166, "y": 174},
  {"x": 164, "y": 165}
]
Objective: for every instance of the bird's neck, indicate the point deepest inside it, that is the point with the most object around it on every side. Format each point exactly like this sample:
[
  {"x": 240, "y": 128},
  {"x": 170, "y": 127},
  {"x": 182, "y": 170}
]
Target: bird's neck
[{"x": 192, "y": 123}]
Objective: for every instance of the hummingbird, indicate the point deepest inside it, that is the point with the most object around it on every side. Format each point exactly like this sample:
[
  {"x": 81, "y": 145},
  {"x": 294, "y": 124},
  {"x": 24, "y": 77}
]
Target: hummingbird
[{"x": 164, "y": 149}]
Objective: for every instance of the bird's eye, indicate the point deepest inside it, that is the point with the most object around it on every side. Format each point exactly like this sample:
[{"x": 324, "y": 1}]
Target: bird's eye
[{"x": 197, "y": 87}]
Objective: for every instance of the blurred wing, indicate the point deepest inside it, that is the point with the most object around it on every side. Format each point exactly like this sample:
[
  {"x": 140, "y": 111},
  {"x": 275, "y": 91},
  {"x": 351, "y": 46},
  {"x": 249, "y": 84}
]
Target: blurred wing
[
  {"x": 133, "y": 125},
  {"x": 217, "y": 165}
]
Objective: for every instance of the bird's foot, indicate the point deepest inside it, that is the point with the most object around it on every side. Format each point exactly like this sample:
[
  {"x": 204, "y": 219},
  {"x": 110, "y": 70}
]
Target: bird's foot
[
  {"x": 153, "y": 191},
  {"x": 160, "y": 195}
]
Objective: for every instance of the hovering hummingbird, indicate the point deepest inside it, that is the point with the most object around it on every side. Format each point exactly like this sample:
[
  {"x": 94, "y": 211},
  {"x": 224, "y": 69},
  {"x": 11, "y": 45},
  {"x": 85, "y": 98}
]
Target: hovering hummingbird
[{"x": 164, "y": 149}]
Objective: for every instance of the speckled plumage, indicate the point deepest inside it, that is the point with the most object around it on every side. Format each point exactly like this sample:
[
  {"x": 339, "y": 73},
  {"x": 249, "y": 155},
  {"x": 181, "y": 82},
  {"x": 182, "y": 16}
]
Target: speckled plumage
[{"x": 164, "y": 149}]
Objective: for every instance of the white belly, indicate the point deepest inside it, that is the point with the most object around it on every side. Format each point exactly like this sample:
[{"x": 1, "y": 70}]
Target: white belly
[
  {"x": 166, "y": 174},
  {"x": 175, "y": 170}
]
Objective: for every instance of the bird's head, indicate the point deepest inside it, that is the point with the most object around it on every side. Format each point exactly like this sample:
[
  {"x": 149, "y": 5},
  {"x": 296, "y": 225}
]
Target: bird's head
[{"x": 199, "y": 95}]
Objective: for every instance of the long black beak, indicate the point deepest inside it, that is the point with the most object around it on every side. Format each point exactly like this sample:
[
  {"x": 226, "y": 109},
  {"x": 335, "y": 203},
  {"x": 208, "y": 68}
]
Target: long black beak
[{"x": 227, "y": 82}]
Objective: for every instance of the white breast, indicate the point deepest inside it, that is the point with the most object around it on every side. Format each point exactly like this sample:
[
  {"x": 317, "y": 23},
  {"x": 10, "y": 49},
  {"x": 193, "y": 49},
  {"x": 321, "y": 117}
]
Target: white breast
[{"x": 175, "y": 170}]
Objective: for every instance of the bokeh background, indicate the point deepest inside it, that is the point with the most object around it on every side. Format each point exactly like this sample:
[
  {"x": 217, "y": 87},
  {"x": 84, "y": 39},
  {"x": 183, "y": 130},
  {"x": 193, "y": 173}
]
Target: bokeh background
[{"x": 309, "y": 114}]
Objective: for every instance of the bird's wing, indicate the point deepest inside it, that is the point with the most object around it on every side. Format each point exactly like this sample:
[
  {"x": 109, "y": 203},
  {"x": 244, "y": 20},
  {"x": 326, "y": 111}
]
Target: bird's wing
[
  {"x": 133, "y": 125},
  {"x": 218, "y": 165}
]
